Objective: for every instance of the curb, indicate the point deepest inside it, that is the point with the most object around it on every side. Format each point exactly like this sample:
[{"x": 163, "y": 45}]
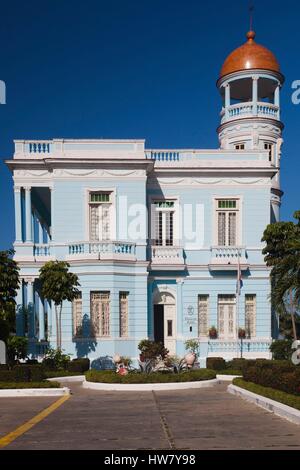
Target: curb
[
  {"x": 70, "y": 378},
  {"x": 279, "y": 409},
  {"x": 34, "y": 392},
  {"x": 149, "y": 387},
  {"x": 227, "y": 378}
]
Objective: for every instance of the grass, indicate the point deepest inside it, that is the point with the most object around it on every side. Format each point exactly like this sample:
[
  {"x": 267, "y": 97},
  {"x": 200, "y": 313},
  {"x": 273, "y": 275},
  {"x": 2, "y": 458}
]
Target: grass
[
  {"x": 154, "y": 377},
  {"x": 15, "y": 385},
  {"x": 277, "y": 395}
]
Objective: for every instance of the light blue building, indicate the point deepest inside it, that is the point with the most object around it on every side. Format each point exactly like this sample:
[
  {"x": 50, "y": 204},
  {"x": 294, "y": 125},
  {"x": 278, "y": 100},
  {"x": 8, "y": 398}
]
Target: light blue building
[{"x": 157, "y": 237}]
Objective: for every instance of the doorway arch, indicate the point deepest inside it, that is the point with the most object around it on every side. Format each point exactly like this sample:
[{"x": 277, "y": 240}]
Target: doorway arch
[{"x": 164, "y": 317}]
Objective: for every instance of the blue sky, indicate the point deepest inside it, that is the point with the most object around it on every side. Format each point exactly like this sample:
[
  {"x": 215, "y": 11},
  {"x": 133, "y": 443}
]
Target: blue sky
[{"x": 134, "y": 69}]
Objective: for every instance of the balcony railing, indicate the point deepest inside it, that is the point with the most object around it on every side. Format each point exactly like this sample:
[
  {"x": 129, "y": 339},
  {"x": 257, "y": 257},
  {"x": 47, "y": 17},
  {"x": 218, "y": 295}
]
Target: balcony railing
[
  {"x": 228, "y": 257},
  {"x": 247, "y": 345},
  {"x": 163, "y": 255},
  {"x": 241, "y": 110},
  {"x": 102, "y": 248},
  {"x": 41, "y": 249}
]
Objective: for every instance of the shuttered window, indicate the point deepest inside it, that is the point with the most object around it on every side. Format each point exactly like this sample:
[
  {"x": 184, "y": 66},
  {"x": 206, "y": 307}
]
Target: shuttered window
[
  {"x": 227, "y": 222},
  {"x": 226, "y": 316},
  {"x": 203, "y": 315},
  {"x": 123, "y": 313},
  {"x": 100, "y": 216},
  {"x": 100, "y": 313},
  {"x": 164, "y": 223},
  {"x": 250, "y": 315},
  {"x": 77, "y": 315}
]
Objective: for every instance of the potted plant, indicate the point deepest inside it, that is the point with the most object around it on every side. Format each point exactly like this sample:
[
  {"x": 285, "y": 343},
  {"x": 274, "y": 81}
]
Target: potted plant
[
  {"x": 213, "y": 332},
  {"x": 242, "y": 333},
  {"x": 192, "y": 348}
]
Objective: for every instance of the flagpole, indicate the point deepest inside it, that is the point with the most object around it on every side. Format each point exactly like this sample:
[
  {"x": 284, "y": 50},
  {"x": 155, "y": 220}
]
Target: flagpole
[{"x": 238, "y": 303}]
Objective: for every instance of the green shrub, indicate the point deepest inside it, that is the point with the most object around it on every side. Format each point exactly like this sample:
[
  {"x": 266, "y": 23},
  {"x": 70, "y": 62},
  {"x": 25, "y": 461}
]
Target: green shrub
[
  {"x": 154, "y": 377},
  {"x": 4, "y": 367},
  {"x": 216, "y": 363},
  {"x": 22, "y": 373},
  {"x": 281, "y": 349},
  {"x": 280, "y": 375},
  {"x": 151, "y": 350},
  {"x": 230, "y": 372},
  {"x": 16, "y": 348},
  {"x": 79, "y": 365},
  {"x": 7, "y": 376},
  {"x": 236, "y": 363},
  {"x": 55, "y": 359},
  {"x": 14, "y": 385},
  {"x": 277, "y": 395}
]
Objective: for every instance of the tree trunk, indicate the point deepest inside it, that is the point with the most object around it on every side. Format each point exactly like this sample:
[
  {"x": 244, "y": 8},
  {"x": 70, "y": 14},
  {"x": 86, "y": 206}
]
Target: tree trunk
[
  {"x": 293, "y": 315},
  {"x": 57, "y": 326},
  {"x": 60, "y": 309}
]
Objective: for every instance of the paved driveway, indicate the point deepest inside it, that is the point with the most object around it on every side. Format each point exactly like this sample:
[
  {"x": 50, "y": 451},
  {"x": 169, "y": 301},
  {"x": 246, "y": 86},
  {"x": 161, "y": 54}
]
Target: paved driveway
[{"x": 190, "y": 419}]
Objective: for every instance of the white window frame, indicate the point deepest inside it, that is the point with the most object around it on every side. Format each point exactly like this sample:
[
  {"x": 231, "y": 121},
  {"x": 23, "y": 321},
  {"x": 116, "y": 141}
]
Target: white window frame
[
  {"x": 225, "y": 336},
  {"x": 206, "y": 303},
  {"x": 176, "y": 218},
  {"x": 126, "y": 298},
  {"x": 113, "y": 211},
  {"x": 270, "y": 149},
  {"x": 77, "y": 303},
  {"x": 238, "y": 146},
  {"x": 251, "y": 334},
  {"x": 239, "y": 219},
  {"x": 100, "y": 333}
]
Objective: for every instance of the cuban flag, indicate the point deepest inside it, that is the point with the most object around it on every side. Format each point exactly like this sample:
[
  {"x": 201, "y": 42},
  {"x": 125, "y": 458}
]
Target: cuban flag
[{"x": 239, "y": 281}]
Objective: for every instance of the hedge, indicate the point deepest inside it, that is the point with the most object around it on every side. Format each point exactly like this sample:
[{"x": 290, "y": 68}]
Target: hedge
[
  {"x": 277, "y": 395},
  {"x": 286, "y": 381},
  {"x": 14, "y": 385},
  {"x": 23, "y": 373},
  {"x": 49, "y": 374},
  {"x": 3, "y": 366},
  {"x": 79, "y": 365},
  {"x": 154, "y": 377},
  {"x": 229, "y": 372},
  {"x": 216, "y": 363}
]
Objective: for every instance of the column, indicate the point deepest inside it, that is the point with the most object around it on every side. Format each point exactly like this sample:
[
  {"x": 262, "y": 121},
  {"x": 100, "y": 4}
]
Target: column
[
  {"x": 227, "y": 100},
  {"x": 30, "y": 308},
  {"x": 18, "y": 214},
  {"x": 28, "y": 214},
  {"x": 41, "y": 231},
  {"x": 254, "y": 94},
  {"x": 20, "y": 330},
  {"x": 41, "y": 319},
  {"x": 277, "y": 99}
]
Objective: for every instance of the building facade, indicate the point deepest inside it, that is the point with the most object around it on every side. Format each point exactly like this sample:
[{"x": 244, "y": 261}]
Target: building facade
[{"x": 166, "y": 243}]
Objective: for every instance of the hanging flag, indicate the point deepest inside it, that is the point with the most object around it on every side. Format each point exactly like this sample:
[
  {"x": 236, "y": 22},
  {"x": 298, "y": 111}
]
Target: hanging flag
[{"x": 239, "y": 281}]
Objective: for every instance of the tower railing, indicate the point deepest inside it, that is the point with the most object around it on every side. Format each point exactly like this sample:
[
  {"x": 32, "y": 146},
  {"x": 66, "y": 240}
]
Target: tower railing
[{"x": 248, "y": 109}]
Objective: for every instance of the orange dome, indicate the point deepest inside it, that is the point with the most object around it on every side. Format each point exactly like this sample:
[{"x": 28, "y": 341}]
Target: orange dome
[{"x": 250, "y": 56}]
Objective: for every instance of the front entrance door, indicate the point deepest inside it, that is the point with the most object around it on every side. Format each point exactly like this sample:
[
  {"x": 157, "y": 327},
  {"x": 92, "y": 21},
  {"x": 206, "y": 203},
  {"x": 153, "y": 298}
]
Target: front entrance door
[
  {"x": 164, "y": 321},
  {"x": 159, "y": 323}
]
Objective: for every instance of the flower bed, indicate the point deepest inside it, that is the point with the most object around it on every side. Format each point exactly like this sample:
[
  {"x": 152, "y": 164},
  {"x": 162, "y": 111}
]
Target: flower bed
[
  {"x": 154, "y": 377},
  {"x": 22, "y": 385},
  {"x": 277, "y": 395}
]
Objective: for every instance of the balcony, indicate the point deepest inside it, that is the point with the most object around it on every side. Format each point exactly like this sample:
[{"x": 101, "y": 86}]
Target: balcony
[
  {"x": 246, "y": 110},
  {"x": 227, "y": 258},
  {"x": 108, "y": 250},
  {"x": 163, "y": 256}
]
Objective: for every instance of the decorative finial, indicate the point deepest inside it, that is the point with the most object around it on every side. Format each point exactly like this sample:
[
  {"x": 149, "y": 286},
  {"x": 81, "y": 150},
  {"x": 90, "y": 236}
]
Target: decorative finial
[{"x": 250, "y": 36}]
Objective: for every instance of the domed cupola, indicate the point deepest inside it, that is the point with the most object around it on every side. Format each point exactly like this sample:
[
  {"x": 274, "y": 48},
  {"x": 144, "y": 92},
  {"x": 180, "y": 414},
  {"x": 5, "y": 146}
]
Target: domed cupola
[{"x": 249, "y": 83}]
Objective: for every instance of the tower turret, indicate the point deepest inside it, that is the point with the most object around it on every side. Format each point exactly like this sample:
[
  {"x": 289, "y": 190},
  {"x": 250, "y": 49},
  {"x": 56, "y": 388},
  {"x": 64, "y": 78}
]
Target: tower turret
[{"x": 249, "y": 84}]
